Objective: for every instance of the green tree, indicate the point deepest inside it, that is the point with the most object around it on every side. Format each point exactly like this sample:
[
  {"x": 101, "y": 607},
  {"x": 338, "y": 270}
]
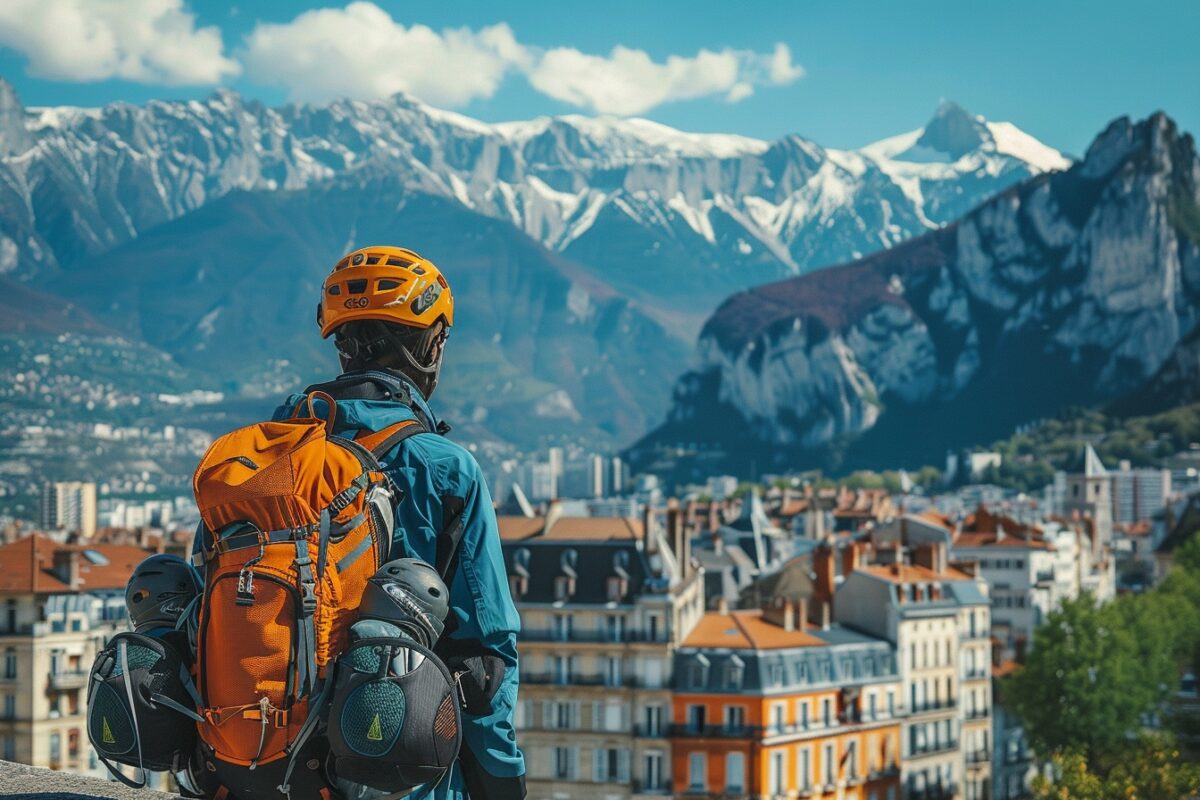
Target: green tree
[
  {"x": 1083, "y": 687},
  {"x": 1149, "y": 769}
]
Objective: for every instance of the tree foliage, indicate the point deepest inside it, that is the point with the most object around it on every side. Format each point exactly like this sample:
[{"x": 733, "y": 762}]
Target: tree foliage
[{"x": 1149, "y": 769}]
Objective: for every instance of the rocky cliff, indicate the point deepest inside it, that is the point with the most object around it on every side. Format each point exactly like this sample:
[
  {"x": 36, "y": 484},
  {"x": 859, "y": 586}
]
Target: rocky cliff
[{"x": 1072, "y": 287}]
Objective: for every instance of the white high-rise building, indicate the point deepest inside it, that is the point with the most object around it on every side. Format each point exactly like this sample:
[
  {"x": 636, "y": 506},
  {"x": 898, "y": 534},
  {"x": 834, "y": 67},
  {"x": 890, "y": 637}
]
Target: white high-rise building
[
  {"x": 69, "y": 506},
  {"x": 1139, "y": 494}
]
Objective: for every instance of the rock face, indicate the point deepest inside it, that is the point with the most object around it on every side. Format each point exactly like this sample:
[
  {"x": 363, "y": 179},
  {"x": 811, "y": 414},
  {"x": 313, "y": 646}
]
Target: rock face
[{"x": 1071, "y": 287}]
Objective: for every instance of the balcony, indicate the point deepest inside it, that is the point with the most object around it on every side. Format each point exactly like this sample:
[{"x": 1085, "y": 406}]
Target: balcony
[
  {"x": 929, "y": 708},
  {"x": 720, "y": 731},
  {"x": 592, "y": 637},
  {"x": 933, "y": 748},
  {"x": 1045, "y": 576},
  {"x": 978, "y": 757},
  {"x": 65, "y": 679},
  {"x": 643, "y": 731},
  {"x": 661, "y": 788},
  {"x": 978, "y": 713},
  {"x": 934, "y": 793},
  {"x": 579, "y": 679},
  {"x": 977, "y": 674}
]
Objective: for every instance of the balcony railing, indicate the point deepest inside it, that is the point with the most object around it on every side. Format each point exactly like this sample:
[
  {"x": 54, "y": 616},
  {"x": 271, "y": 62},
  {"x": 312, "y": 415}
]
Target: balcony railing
[
  {"x": 933, "y": 747},
  {"x": 662, "y": 787},
  {"x": 978, "y": 713},
  {"x": 593, "y": 636},
  {"x": 937, "y": 705},
  {"x": 978, "y": 757},
  {"x": 650, "y": 731},
  {"x": 581, "y": 679},
  {"x": 68, "y": 679},
  {"x": 977, "y": 674}
]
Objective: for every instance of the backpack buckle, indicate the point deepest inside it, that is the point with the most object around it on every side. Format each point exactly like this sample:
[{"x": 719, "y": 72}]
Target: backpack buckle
[
  {"x": 245, "y": 588},
  {"x": 308, "y": 598}
]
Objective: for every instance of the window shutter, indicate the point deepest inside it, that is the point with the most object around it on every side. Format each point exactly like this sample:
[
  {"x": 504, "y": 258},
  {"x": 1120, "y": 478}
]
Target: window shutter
[
  {"x": 598, "y": 765},
  {"x": 623, "y": 766},
  {"x": 597, "y": 715},
  {"x": 548, "y": 714}
]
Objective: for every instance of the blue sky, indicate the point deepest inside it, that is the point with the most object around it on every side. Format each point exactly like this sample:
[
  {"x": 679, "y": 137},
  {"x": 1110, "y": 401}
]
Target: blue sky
[{"x": 843, "y": 73}]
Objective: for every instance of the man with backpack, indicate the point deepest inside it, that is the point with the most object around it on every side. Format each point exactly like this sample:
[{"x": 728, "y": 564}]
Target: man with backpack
[{"x": 355, "y": 636}]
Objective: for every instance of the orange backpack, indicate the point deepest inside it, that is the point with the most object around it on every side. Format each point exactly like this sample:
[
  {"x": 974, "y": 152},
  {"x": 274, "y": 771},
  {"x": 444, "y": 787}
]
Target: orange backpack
[{"x": 295, "y": 520}]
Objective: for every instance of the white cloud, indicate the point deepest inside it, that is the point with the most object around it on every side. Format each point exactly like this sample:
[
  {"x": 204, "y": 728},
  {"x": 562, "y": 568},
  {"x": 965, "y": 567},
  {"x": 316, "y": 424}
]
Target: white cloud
[
  {"x": 360, "y": 51},
  {"x": 628, "y": 81},
  {"x": 149, "y": 41}
]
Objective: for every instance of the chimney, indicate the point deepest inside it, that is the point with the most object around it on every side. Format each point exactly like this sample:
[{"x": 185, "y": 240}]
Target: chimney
[
  {"x": 782, "y": 612},
  {"x": 647, "y": 525},
  {"x": 851, "y": 556},
  {"x": 931, "y": 555},
  {"x": 691, "y": 513},
  {"x": 826, "y": 611},
  {"x": 66, "y": 567},
  {"x": 802, "y": 613},
  {"x": 823, "y": 567},
  {"x": 722, "y": 605},
  {"x": 714, "y": 519}
]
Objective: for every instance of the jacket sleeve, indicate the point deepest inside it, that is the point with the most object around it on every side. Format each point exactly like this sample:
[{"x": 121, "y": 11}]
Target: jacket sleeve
[{"x": 485, "y": 628}]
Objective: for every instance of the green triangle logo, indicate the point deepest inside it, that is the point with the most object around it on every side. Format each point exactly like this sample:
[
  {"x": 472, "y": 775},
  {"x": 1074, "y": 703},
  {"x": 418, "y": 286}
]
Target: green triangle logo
[
  {"x": 375, "y": 732},
  {"x": 106, "y": 734}
]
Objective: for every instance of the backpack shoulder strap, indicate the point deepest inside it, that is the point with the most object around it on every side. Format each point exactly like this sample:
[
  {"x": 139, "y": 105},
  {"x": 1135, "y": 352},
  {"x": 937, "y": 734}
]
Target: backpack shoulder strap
[{"x": 381, "y": 442}]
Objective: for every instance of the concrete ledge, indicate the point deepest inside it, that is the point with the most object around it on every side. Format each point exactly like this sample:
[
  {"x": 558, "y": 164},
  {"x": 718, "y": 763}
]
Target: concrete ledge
[{"x": 35, "y": 783}]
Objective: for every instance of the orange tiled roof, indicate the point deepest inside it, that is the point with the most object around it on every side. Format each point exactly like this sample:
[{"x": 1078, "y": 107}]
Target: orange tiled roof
[
  {"x": 913, "y": 573},
  {"x": 26, "y": 566},
  {"x": 1141, "y": 528},
  {"x": 746, "y": 630},
  {"x": 990, "y": 540},
  {"x": 936, "y": 518},
  {"x": 517, "y": 528}
]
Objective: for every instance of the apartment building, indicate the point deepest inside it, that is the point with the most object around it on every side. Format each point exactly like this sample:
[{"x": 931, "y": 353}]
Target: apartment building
[
  {"x": 938, "y": 619},
  {"x": 1030, "y": 570},
  {"x": 767, "y": 707},
  {"x": 58, "y": 605},
  {"x": 604, "y": 602},
  {"x": 1139, "y": 494},
  {"x": 69, "y": 506}
]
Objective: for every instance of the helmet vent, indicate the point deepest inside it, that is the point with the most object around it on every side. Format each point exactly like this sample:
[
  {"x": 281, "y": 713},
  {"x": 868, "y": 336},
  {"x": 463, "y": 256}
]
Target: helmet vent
[
  {"x": 387, "y": 283},
  {"x": 398, "y": 262},
  {"x": 374, "y": 260},
  {"x": 335, "y": 289},
  {"x": 419, "y": 270},
  {"x": 357, "y": 286}
]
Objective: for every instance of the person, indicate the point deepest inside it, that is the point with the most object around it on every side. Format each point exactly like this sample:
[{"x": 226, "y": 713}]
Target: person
[{"x": 389, "y": 312}]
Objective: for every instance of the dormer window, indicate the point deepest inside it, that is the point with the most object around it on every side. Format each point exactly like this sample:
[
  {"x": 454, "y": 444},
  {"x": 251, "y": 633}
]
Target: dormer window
[
  {"x": 735, "y": 670},
  {"x": 617, "y": 589},
  {"x": 564, "y": 587},
  {"x": 517, "y": 586},
  {"x": 697, "y": 672}
]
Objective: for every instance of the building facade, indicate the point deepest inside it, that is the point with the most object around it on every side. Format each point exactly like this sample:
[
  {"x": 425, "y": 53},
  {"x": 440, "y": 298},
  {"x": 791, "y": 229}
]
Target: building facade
[
  {"x": 604, "y": 602},
  {"x": 767, "y": 708},
  {"x": 938, "y": 619},
  {"x": 58, "y": 605}
]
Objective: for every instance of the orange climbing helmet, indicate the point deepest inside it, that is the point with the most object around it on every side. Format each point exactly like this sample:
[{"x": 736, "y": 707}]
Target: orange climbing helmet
[{"x": 389, "y": 284}]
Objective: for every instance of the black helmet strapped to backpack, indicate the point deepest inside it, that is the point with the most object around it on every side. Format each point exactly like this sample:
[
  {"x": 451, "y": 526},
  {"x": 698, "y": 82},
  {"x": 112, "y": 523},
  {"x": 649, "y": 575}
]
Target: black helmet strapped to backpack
[
  {"x": 409, "y": 594},
  {"x": 159, "y": 591}
]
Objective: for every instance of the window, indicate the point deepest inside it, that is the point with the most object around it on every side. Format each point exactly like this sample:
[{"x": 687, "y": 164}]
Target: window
[
  {"x": 698, "y": 673},
  {"x": 563, "y": 627},
  {"x": 697, "y": 767},
  {"x": 73, "y": 742},
  {"x": 561, "y": 715},
  {"x": 696, "y": 718},
  {"x": 612, "y": 671},
  {"x": 871, "y": 710},
  {"x": 10, "y": 706},
  {"x": 734, "y": 670},
  {"x": 735, "y": 772},
  {"x": 891, "y": 704},
  {"x": 652, "y": 769},
  {"x": 564, "y": 763},
  {"x": 804, "y": 767},
  {"x": 774, "y": 674},
  {"x": 735, "y": 718},
  {"x": 802, "y": 714},
  {"x": 775, "y": 777},
  {"x": 610, "y": 765},
  {"x": 9, "y": 749},
  {"x": 778, "y": 712},
  {"x": 614, "y": 628},
  {"x": 652, "y": 627},
  {"x": 827, "y": 759},
  {"x": 652, "y": 720},
  {"x": 851, "y": 758},
  {"x": 55, "y": 749},
  {"x": 10, "y": 663},
  {"x": 827, "y": 712}
]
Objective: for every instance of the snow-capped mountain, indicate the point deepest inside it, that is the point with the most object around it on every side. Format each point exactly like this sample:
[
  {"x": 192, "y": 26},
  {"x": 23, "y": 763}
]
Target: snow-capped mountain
[
  {"x": 1068, "y": 288},
  {"x": 170, "y": 222},
  {"x": 642, "y": 204}
]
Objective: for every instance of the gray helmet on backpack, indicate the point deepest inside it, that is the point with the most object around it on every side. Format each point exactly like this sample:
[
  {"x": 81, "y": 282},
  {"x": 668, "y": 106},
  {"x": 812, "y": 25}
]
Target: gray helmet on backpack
[
  {"x": 411, "y": 595},
  {"x": 159, "y": 591}
]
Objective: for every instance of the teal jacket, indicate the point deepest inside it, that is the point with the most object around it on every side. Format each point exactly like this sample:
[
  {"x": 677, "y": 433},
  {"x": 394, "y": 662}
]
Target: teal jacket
[{"x": 440, "y": 485}]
